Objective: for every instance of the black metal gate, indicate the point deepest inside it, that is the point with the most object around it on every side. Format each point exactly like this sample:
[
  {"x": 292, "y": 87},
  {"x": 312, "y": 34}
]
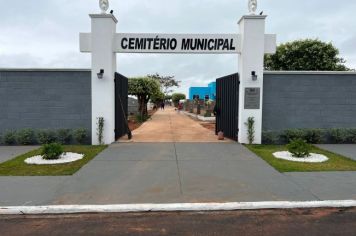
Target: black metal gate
[
  {"x": 227, "y": 105},
  {"x": 121, "y": 105}
]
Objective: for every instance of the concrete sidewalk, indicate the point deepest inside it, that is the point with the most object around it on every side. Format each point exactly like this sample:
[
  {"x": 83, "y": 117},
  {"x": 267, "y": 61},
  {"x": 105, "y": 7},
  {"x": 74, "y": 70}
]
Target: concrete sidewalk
[
  {"x": 9, "y": 152},
  {"x": 172, "y": 126},
  {"x": 347, "y": 150}
]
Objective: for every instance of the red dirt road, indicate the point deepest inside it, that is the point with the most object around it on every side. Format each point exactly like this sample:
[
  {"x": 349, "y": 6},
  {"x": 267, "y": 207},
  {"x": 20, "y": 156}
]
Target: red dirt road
[
  {"x": 172, "y": 126},
  {"x": 297, "y": 222}
]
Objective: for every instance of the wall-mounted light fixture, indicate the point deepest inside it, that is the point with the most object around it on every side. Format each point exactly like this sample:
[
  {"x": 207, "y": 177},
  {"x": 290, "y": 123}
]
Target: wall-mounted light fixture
[
  {"x": 253, "y": 75},
  {"x": 101, "y": 74}
]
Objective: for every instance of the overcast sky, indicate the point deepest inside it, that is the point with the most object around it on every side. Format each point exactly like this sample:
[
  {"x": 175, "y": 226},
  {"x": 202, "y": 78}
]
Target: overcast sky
[{"x": 44, "y": 33}]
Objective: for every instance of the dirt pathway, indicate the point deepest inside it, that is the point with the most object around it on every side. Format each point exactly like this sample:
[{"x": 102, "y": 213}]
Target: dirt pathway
[{"x": 171, "y": 126}]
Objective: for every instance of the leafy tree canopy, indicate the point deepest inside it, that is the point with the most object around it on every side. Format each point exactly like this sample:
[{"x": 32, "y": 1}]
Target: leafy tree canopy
[
  {"x": 176, "y": 97},
  {"x": 306, "y": 55},
  {"x": 144, "y": 88},
  {"x": 157, "y": 98},
  {"x": 166, "y": 82}
]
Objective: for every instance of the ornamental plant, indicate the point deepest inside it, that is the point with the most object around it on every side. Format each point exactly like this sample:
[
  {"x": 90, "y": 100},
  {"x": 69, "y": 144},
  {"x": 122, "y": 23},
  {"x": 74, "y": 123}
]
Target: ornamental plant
[
  {"x": 64, "y": 136},
  {"x": 81, "y": 135},
  {"x": 100, "y": 129},
  {"x": 9, "y": 137},
  {"x": 299, "y": 148},
  {"x": 250, "y": 129},
  {"x": 52, "y": 151},
  {"x": 46, "y": 136},
  {"x": 25, "y": 137}
]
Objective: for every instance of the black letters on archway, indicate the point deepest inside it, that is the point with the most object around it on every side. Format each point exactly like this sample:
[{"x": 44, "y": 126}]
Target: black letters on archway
[
  {"x": 121, "y": 106},
  {"x": 227, "y": 105}
]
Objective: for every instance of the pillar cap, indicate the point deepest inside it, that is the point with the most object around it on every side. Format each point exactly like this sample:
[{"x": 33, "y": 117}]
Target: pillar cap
[
  {"x": 252, "y": 17},
  {"x": 104, "y": 16}
]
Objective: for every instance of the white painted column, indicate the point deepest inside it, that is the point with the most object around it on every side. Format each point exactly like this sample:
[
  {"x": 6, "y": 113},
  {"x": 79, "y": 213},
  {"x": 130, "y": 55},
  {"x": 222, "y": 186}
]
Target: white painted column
[
  {"x": 103, "y": 29},
  {"x": 251, "y": 58}
]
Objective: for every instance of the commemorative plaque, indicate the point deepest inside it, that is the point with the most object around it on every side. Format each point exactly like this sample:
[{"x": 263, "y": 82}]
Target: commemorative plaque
[{"x": 252, "y": 98}]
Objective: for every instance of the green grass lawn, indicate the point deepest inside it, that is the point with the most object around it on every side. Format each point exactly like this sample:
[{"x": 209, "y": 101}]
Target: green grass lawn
[
  {"x": 17, "y": 166},
  {"x": 335, "y": 163}
]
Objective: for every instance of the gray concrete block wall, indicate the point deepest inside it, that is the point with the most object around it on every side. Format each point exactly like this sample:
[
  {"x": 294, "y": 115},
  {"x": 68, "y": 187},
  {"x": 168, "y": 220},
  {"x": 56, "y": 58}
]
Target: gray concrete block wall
[
  {"x": 309, "y": 100},
  {"x": 45, "y": 99}
]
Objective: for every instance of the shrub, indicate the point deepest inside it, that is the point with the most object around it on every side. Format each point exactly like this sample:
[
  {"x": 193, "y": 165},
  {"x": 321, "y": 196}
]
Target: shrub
[
  {"x": 352, "y": 135},
  {"x": 207, "y": 114},
  {"x": 142, "y": 118},
  {"x": 313, "y": 136},
  {"x": 52, "y": 151},
  {"x": 9, "y": 137},
  {"x": 339, "y": 135},
  {"x": 81, "y": 135},
  {"x": 100, "y": 129},
  {"x": 25, "y": 137},
  {"x": 64, "y": 136},
  {"x": 291, "y": 134},
  {"x": 270, "y": 137},
  {"x": 250, "y": 129},
  {"x": 46, "y": 136},
  {"x": 299, "y": 148}
]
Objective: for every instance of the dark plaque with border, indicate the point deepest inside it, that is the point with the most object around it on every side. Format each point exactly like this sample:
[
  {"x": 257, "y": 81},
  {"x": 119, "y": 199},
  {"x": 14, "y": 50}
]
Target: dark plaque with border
[{"x": 252, "y": 98}]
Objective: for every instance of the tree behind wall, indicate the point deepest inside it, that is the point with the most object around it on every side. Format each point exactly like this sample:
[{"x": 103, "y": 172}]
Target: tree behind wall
[
  {"x": 166, "y": 82},
  {"x": 306, "y": 55},
  {"x": 176, "y": 97},
  {"x": 144, "y": 88}
]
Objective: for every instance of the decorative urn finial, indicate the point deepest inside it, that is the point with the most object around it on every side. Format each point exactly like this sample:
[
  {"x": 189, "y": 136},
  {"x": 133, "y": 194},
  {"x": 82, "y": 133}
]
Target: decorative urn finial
[
  {"x": 104, "y": 6},
  {"x": 252, "y": 7}
]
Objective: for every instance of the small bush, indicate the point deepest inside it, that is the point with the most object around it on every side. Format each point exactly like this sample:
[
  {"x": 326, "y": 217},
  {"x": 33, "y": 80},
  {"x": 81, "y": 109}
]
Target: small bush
[
  {"x": 46, "y": 136},
  {"x": 352, "y": 135},
  {"x": 64, "y": 136},
  {"x": 270, "y": 137},
  {"x": 250, "y": 129},
  {"x": 25, "y": 137},
  {"x": 9, "y": 137},
  {"x": 207, "y": 114},
  {"x": 100, "y": 129},
  {"x": 299, "y": 148},
  {"x": 339, "y": 135},
  {"x": 52, "y": 151},
  {"x": 81, "y": 135},
  {"x": 314, "y": 136},
  {"x": 291, "y": 134},
  {"x": 141, "y": 119}
]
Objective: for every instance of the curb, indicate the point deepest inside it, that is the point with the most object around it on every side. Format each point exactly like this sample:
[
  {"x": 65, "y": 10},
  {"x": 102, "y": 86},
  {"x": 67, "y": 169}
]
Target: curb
[{"x": 176, "y": 207}]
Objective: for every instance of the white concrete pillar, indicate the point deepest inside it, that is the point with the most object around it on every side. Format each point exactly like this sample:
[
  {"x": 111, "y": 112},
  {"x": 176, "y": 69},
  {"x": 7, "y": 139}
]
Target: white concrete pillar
[
  {"x": 251, "y": 58},
  {"x": 103, "y": 29}
]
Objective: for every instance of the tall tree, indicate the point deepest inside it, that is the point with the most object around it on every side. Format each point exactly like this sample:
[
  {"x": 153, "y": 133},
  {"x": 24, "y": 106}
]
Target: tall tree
[
  {"x": 176, "y": 97},
  {"x": 166, "y": 82},
  {"x": 144, "y": 88},
  {"x": 305, "y": 55}
]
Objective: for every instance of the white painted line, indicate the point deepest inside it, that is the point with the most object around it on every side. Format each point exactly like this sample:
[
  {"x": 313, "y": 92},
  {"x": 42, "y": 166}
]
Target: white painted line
[{"x": 127, "y": 208}]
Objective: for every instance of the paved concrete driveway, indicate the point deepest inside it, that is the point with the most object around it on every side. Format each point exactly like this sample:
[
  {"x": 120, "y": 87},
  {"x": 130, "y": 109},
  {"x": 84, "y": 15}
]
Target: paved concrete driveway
[
  {"x": 9, "y": 152},
  {"x": 177, "y": 172},
  {"x": 173, "y": 173},
  {"x": 347, "y": 150}
]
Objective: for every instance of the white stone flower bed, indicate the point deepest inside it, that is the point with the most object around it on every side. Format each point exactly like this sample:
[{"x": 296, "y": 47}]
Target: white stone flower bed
[
  {"x": 313, "y": 158},
  {"x": 66, "y": 157}
]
